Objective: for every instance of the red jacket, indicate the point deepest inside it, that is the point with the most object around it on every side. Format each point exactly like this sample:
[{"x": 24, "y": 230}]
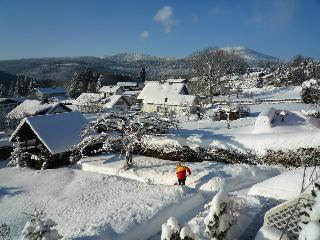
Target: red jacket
[{"x": 182, "y": 172}]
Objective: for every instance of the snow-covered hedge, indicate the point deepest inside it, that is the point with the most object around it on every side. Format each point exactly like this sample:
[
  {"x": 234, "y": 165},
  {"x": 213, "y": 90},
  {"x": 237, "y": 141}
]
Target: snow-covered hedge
[{"x": 311, "y": 91}]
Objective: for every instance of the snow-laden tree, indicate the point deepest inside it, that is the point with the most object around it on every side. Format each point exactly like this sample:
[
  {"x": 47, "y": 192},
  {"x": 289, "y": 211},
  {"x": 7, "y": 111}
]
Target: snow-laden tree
[
  {"x": 18, "y": 155},
  {"x": 100, "y": 83},
  {"x": 122, "y": 132},
  {"x": 219, "y": 220},
  {"x": 213, "y": 68},
  {"x": 172, "y": 230},
  {"x": 37, "y": 228},
  {"x": 310, "y": 92}
]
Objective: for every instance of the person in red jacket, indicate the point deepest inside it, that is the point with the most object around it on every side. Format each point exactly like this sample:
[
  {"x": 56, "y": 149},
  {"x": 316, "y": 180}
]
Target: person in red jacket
[{"x": 181, "y": 172}]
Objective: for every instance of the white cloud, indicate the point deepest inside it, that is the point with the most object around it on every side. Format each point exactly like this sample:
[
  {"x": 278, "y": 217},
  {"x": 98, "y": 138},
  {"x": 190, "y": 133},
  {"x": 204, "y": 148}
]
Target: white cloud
[
  {"x": 144, "y": 35},
  {"x": 165, "y": 17}
]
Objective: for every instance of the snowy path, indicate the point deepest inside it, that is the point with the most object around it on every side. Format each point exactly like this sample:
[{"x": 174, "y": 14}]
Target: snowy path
[{"x": 206, "y": 177}]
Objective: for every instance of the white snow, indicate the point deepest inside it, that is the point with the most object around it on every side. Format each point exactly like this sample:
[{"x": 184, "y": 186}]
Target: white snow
[
  {"x": 311, "y": 231},
  {"x": 207, "y": 176},
  {"x": 153, "y": 89},
  {"x": 264, "y": 121},
  {"x": 58, "y": 132},
  {"x": 85, "y": 204},
  {"x": 286, "y": 186},
  {"x": 29, "y": 108},
  {"x": 270, "y": 233}
]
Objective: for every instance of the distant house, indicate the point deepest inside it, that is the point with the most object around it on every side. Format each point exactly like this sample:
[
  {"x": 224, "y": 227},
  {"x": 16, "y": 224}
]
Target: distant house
[
  {"x": 111, "y": 90},
  {"x": 156, "y": 96},
  {"x": 95, "y": 102},
  {"x": 44, "y": 94},
  {"x": 128, "y": 86},
  {"x": 176, "y": 80},
  {"x": 8, "y": 104},
  {"x": 116, "y": 103},
  {"x": 51, "y": 136},
  {"x": 32, "y": 108}
]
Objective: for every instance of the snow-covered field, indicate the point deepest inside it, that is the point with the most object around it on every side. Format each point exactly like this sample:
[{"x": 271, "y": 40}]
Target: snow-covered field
[
  {"x": 294, "y": 132},
  {"x": 97, "y": 199},
  {"x": 88, "y": 204}
]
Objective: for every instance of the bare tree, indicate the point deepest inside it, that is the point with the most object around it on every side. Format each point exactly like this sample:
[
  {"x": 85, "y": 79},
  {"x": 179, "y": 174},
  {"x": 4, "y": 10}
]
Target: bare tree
[{"x": 213, "y": 69}]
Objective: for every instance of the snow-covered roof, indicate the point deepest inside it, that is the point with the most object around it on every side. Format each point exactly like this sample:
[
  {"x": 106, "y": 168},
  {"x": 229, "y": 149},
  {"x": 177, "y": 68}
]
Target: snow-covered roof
[
  {"x": 127, "y": 84},
  {"x": 53, "y": 90},
  {"x": 28, "y": 108},
  {"x": 112, "y": 101},
  {"x": 176, "y": 80},
  {"x": 171, "y": 99},
  {"x": 157, "y": 90},
  {"x": 131, "y": 93},
  {"x": 58, "y": 132},
  {"x": 87, "y": 98},
  {"x": 109, "y": 89}
]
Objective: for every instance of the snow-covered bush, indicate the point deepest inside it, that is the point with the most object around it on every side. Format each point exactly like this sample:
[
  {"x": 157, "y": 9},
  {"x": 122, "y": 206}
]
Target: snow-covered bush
[
  {"x": 39, "y": 229},
  {"x": 219, "y": 220},
  {"x": 18, "y": 156},
  {"x": 310, "y": 92},
  {"x": 171, "y": 230}
]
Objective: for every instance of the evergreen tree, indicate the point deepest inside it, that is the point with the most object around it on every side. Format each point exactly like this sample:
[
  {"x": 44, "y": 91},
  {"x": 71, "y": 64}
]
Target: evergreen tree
[
  {"x": 219, "y": 219},
  {"x": 142, "y": 75},
  {"x": 18, "y": 156},
  {"x": 310, "y": 92},
  {"x": 100, "y": 83},
  {"x": 39, "y": 229}
]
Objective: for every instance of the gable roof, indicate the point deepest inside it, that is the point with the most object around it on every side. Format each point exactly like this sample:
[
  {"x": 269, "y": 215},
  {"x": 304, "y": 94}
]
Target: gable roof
[
  {"x": 111, "y": 101},
  {"x": 127, "y": 84},
  {"x": 109, "y": 89},
  {"x": 172, "y": 99},
  {"x": 154, "y": 89},
  {"x": 33, "y": 107},
  {"x": 58, "y": 132},
  {"x": 53, "y": 90}
]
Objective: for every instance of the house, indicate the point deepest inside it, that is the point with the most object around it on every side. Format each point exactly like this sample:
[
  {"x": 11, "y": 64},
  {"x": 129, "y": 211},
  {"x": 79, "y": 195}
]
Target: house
[
  {"x": 95, "y": 102},
  {"x": 163, "y": 88},
  {"x": 8, "y": 104},
  {"x": 116, "y": 103},
  {"x": 156, "y": 97},
  {"x": 176, "y": 80},
  {"x": 44, "y": 94},
  {"x": 128, "y": 86},
  {"x": 33, "y": 108},
  {"x": 111, "y": 90},
  {"x": 50, "y": 135}
]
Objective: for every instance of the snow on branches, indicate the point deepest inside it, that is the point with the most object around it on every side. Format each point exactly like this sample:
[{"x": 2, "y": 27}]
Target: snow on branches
[
  {"x": 117, "y": 131},
  {"x": 38, "y": 228},
  {"x": 219, "y": 219},
  {"x": 171, "y": 230}
]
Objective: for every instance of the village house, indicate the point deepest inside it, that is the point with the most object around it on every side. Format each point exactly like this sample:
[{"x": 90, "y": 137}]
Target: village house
[
  {"x": 155, "y": 97},
  {"x": 45, "y": 94},
  {"x": 95, "y": 102},
  {"x": 49, "y": 137},
  {"x": 111, "y": 90},
  {"x": 33, "y": 108},
  {"x": 128, "y": 86}
]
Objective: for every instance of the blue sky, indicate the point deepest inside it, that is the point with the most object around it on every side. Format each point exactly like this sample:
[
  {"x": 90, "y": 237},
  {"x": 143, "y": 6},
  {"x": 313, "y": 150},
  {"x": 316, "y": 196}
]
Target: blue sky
[{"x": 43, "y": 28}]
